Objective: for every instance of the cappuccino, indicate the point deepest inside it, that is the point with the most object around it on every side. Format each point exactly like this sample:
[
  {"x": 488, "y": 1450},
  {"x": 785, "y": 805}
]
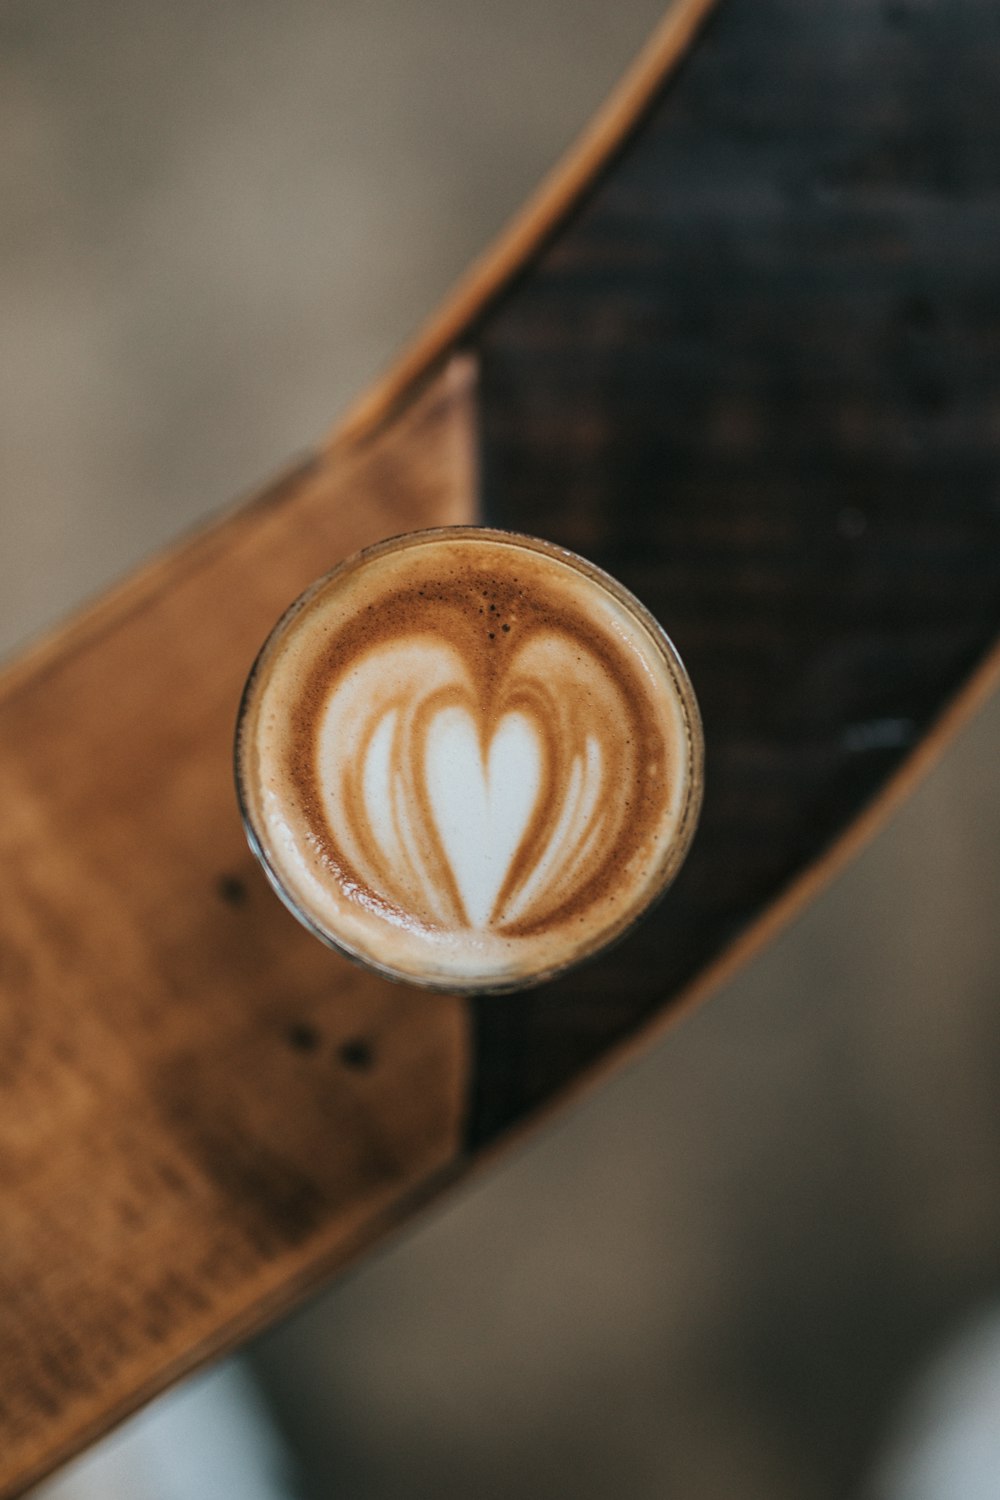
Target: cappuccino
[{"x": 468, "y": 759}]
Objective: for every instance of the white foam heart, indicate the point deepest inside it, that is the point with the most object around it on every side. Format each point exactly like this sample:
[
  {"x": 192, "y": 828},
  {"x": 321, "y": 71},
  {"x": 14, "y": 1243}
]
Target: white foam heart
[
  {"x": 481, "y": 808},
  {"x": 428, "y": 819}
]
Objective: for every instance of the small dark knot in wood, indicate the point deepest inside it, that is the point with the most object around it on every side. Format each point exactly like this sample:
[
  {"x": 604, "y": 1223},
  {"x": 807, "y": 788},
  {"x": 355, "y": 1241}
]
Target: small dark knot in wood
[
  {"x": 232, "y": 889},
  {"x": 303, "y": 1037},
  {"x": 357, "y": 1053}
]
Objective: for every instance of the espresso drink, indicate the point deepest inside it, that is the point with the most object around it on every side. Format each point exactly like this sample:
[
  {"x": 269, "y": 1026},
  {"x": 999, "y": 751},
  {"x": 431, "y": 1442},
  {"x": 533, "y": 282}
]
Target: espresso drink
[{"x": 469, "y": 758}]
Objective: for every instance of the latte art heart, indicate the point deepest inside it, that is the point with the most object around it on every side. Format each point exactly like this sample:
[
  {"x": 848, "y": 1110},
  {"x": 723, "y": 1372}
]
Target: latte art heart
[
  {"x": 441, "y": 811},
  {"x": 481, "y": 807},
  {"x": 469, "y": 759}
]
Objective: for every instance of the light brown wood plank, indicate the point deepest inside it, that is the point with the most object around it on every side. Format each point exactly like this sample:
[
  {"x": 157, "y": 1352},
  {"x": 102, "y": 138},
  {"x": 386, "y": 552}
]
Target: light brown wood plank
[{"x": 202, "y": 1110}]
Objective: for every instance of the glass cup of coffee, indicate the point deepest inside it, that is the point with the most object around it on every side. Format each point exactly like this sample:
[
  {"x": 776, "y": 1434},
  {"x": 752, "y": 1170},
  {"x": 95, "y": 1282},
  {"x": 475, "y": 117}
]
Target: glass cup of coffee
[{"x": 469, "y": 759}]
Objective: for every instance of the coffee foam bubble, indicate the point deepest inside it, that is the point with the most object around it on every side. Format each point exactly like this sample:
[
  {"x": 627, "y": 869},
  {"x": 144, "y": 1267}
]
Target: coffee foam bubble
[{"x": 468, "y": 758}]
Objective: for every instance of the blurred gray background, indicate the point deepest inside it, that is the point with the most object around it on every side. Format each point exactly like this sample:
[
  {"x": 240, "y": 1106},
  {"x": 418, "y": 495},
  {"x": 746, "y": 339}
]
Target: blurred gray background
[{"x": 765, "y": 1263}]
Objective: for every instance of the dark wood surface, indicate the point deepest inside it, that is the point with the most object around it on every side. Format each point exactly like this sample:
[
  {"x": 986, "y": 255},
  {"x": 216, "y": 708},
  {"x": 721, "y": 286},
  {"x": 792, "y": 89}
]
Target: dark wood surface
[
  {"x": 757, "y": 380},
  {"x": 755, "y": 375}
]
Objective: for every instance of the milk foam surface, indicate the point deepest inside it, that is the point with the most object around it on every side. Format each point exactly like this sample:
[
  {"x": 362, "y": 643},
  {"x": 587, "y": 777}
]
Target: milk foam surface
[{"x": 469, "y": 758}]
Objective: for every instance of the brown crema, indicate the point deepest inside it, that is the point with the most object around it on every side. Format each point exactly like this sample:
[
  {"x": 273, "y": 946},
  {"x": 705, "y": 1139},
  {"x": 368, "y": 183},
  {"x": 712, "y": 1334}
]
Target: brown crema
[{"x": 469, "y": 758}]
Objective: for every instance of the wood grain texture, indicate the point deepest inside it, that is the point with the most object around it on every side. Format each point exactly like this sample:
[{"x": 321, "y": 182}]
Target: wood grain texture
[
  {"x": 202, "y": 1110},
  {"x": 757, "y": 380}
]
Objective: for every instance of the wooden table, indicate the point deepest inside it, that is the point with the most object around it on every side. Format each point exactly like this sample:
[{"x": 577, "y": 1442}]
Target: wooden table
[{"x": 742, "y": 351}]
